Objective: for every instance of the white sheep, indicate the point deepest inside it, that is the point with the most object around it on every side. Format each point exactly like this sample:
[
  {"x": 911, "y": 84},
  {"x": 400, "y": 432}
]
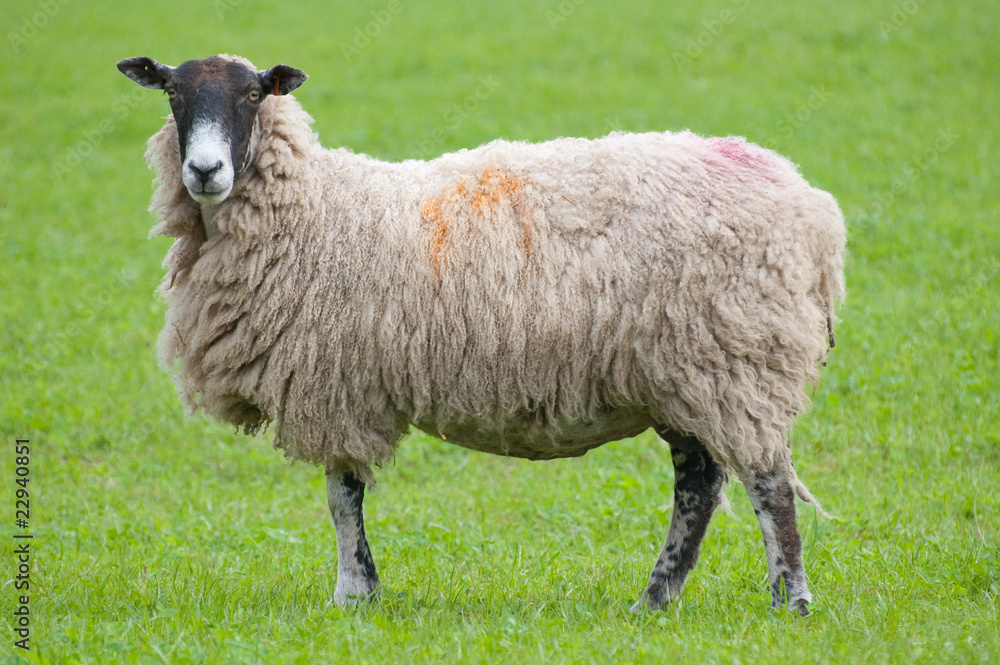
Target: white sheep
[{"x": 527, "y": 300}]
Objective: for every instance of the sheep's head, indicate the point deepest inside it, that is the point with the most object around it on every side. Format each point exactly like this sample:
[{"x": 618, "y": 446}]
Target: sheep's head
[{"x": 215, "y": 103}]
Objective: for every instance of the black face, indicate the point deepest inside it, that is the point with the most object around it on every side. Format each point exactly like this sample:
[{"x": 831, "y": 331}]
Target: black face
[
  {"x": 215, "y": 93},
  {"x": 215, "y": 103}
]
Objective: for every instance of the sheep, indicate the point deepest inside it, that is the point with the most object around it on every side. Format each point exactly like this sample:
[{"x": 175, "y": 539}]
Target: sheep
[{"x": 527, "y": 300}]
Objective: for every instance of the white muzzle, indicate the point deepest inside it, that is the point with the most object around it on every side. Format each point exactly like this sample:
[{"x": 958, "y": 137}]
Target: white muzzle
[{"x": 208, "y": 172}]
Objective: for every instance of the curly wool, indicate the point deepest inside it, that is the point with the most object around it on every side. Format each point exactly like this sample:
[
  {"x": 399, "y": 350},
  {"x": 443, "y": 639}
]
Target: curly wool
[{"x": 525, "y": 299}]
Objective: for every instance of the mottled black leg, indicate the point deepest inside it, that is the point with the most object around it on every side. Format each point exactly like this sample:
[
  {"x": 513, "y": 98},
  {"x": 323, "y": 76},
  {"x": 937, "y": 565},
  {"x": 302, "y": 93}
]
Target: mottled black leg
[
  {"x": 357, "y": 579},
  {"x": 773, "y": 499},
  {"x": 697, "y": 491}
]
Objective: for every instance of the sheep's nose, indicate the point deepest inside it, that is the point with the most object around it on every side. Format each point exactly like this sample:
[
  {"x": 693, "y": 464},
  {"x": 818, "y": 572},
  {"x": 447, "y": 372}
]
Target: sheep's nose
[{"x": 204, "y": 174}]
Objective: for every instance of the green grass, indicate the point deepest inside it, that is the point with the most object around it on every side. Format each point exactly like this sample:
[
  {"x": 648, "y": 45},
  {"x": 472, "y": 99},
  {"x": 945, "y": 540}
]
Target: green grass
[{"x": 160, "y": 538}]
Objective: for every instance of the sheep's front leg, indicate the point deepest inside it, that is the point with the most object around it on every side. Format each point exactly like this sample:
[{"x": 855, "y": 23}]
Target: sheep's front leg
[
  {"x": 773, "y": 500},
  {"x": 357, "y": 579},
  {"x": 698, "y": 482}
]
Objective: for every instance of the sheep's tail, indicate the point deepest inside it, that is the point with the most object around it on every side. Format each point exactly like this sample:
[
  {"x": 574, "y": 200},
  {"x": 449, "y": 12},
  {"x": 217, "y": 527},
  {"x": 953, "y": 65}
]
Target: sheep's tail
[
  {"x": 803, "y": 493},
  {"x": 828, "y": 247}
]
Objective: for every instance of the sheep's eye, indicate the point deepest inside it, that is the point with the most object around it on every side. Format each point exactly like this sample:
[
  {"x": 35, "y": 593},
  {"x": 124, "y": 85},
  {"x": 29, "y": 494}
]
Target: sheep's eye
[
  {"x": 171, "y": 93},
  {"x": 254, "y": 95}
]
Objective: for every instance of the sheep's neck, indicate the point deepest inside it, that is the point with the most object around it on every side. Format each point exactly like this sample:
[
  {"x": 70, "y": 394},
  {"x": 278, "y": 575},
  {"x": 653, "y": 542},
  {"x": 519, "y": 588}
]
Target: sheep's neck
[{"x": 208, "y": 220}]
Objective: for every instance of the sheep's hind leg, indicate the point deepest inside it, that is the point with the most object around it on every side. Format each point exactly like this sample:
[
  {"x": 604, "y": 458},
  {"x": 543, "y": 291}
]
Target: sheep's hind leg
[
  {"x": 357, "y": 579},
  {"x": 773, "y": 499},
  {"x": 698, "y": 482}
]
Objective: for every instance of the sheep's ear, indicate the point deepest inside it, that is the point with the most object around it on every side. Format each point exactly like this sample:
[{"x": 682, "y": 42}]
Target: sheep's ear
[
  {"x": 281, "y": 79},
  {"x": 146, "y": 72}
]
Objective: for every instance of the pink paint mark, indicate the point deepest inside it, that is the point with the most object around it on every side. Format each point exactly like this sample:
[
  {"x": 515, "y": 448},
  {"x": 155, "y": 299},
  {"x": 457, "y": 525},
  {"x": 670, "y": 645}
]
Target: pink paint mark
[
  {"x": 736, "y": 150},
  {"x": 746, "y": 155}
]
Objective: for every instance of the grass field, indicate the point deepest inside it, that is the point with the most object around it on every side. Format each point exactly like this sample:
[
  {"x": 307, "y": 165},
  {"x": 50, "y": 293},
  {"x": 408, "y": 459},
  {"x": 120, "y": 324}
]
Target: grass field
[{"x": 165, "y": 539}]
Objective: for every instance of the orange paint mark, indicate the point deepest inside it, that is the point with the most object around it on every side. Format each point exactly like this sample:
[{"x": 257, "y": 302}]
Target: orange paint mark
[
  {"x": 493, "y": 188},
  {"x": 431, "y": 212},
  {"x": 486, "y": 197}
]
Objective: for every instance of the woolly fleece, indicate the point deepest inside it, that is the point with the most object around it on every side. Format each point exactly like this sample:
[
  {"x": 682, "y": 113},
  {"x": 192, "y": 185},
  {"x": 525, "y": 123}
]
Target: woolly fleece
[{"x": 535, "y": 300}]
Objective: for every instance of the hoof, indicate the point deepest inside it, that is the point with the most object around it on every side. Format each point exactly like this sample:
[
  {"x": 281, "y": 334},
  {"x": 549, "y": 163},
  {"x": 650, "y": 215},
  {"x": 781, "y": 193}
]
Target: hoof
[
  {"x": 646, "y": 604},
  {"x": 798, "y": 606},
  {"x": 351, "y": 600}
]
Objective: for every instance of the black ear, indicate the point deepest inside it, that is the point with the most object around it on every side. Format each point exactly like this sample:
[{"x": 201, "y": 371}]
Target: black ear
[
  {"x": 281, "y": 79},
  {"x": 146, "y": 72}
]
